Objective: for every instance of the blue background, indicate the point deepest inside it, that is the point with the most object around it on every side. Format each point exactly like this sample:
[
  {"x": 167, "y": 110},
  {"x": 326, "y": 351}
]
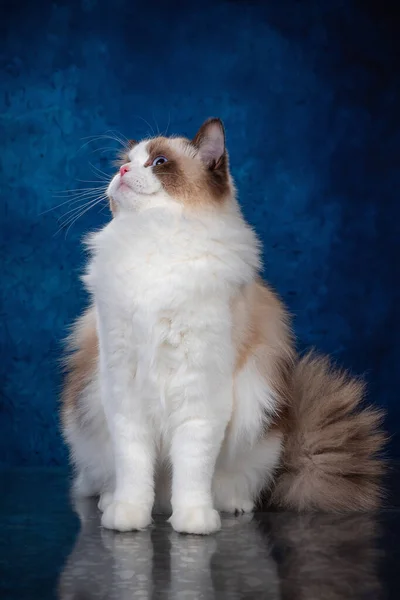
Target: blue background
[{"x": 309, "y": 92}]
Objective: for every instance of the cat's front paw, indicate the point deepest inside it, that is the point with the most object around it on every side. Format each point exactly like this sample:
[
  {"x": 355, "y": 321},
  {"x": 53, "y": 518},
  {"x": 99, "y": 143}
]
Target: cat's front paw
[
  {"x": 125, "y": 516},
  {"x": 195, "y": 519}
]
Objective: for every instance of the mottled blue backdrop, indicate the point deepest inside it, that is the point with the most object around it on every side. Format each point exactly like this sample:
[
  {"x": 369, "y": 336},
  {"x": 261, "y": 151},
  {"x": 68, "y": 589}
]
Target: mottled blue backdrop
[{"x": 309, "y": 92}]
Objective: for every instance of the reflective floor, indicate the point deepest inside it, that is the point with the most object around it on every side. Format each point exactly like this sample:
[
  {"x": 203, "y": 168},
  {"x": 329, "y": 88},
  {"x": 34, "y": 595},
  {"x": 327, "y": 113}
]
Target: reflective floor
[{"x": 50, "y": 550}]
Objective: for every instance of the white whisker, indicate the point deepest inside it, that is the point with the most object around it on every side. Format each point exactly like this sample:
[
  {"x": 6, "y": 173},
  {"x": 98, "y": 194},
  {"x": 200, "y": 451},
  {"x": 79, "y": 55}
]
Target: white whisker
[
  {"x": 103, "y": 136},
  {"x": 70, "y": 201},
  {"x": 73, "y": 197},
  {"x": 73, "y": 191},
  {"x": 78, "y": 214},
  {"x": 120, "y": 136},
  {"x": 156, "y": 124},
  {"x": 64, "y": 219},
  {"x": 77, "y": 195},
  {"x": 102, "y": 210},
  {"x": 93, "y": 180},
  {"x": 86, "y": 194},
  {"x": 75, "y": 220},
  {"x": 169, "y": 123},
  {"x": 148, "y": 125},
  {"x": 104, "y": 149},
  {"x": 100, "y": 172}
]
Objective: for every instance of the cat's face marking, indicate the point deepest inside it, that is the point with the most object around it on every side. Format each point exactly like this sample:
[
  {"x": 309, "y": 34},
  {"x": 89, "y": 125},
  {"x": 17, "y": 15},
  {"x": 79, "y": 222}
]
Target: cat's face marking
[{"x": 174, "y": 170}]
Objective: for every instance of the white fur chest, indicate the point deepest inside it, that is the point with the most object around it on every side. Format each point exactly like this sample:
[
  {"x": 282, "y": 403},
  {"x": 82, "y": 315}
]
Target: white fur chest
[
  {"x": 156, "y": 263},
  {"x": 158, "y": 260},
  {"x": 165, "y": 285}
]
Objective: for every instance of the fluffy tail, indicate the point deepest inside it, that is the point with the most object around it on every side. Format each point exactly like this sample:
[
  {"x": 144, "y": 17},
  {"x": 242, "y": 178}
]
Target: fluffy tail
[{"x": 332, "y": 455}]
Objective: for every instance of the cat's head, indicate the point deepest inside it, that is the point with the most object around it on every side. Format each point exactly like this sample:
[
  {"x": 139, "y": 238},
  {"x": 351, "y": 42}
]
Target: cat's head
[{"x": 171, "y": 171}]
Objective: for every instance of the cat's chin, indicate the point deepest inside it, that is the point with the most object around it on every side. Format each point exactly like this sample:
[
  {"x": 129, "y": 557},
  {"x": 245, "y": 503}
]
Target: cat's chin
[
  {"x": 125, "y": 187},
  {"x": 127, "y": 197}
]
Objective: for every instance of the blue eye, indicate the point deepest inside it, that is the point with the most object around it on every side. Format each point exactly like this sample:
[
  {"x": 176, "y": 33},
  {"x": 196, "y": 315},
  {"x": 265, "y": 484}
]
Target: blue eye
[{"x": 160, "y": 160}]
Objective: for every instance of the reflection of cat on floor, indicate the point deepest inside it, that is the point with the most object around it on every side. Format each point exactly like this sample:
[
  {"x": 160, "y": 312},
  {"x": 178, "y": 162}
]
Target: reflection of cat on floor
[
  {"x": 106, "y": 565},
  {"x": 326, "y": 557},
  {"x": 313, "y": 557},
  {"x": 236, "y": 563}
]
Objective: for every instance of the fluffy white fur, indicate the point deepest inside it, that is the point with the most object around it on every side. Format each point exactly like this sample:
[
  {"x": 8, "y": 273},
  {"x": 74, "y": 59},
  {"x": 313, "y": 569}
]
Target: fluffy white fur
[{"x": 155, "y": 414}]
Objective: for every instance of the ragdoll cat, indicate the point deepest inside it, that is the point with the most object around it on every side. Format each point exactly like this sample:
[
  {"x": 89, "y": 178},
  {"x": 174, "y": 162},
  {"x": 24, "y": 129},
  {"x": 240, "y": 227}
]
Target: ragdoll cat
[{"x": 184, "y": 393}]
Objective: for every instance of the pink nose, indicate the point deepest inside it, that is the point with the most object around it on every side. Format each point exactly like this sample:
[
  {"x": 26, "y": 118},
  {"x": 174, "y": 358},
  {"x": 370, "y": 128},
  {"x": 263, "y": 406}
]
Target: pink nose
[{"x": 124, "y": 169}]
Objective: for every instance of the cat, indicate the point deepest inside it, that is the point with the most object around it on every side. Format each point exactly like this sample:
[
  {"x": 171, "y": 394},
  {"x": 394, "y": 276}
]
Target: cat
[{"x": 183, "y": 392}]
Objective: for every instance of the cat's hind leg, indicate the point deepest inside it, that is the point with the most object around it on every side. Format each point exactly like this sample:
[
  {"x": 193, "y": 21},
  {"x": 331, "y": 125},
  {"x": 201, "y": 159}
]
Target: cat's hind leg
[
  {"x": 239, "y": 481},
  {"x": 87, "y": 435}
]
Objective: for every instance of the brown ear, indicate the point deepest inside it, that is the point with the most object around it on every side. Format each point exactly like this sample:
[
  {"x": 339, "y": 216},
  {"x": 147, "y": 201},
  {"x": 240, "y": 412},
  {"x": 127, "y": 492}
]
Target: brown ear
[{"x": 210, "y": 142}]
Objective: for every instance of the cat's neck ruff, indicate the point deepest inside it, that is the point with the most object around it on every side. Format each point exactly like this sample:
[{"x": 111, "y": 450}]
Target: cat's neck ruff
[{"x": 209, "y": 243}]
